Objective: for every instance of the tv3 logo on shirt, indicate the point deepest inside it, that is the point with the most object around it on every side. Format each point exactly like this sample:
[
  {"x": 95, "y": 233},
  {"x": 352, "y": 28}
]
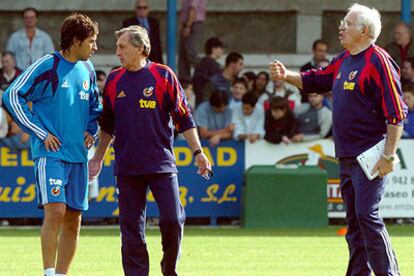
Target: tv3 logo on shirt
[
  {"x": 350, "y": 85},
  {"x": 84, "y": 96},
  {"x": 149, "y": 104}
]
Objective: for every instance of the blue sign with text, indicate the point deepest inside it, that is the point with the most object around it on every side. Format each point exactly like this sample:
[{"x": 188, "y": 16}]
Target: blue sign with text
[{"x": 217, "y": 197}]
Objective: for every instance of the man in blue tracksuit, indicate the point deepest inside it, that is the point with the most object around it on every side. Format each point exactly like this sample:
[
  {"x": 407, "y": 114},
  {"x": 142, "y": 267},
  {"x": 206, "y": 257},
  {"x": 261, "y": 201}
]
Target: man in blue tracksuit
[
  {"x": 367, "y": 104},
  {"x": 62, "y": 89},
  {"x": 141, "y": 102}
]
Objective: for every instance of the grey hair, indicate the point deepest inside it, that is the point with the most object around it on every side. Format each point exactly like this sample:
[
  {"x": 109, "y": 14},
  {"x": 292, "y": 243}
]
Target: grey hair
[
  {"x": 368, "y": 17},
  {"x": 138, "y": 36}
]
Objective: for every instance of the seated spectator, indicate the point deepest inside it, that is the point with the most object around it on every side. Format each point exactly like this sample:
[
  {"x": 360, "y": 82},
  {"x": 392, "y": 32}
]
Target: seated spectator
[
  {"x": 401, "y": 48},
  {"x": 214, "y": 118},
  {"x": 280, "y": 90},
  {"x": 280, "y": 121},
  {"x": 207, "y": 67},
  {"x": 16, "y": 138},
  {"x": 409, "y": 121},
  {"x": 313, "y": 120},
  {"x": 100, "y": 81},
  {"x": 248, "y": 119},
  {"x": 238, "y": 89},
  {"x": 260, "y": 86},
  {"x": 319, "y": 50},
  {"x": 407, "y": 72},
  {"x": 250, "y": 77},
  {"x": 8, "y": 72},
  {"x": 222, "y": 82},
  {"x": 189, "y": 93}
]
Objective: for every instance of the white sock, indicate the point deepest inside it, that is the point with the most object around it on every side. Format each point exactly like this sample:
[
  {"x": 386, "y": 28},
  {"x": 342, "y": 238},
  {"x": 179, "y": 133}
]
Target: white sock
[
  {"x": 49, "y": 271},
  {"x": 60, "y": 274}
]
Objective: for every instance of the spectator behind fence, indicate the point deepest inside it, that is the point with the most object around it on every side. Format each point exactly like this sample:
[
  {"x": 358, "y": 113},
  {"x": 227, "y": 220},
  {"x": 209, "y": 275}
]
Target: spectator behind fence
[
  {"x": 207, "y": 67},
  {"x": 407, "y": 72},
  {"x": 189, "y": 94},
  {"x": 313, "y": 120},
  {"x": 259, "y": 87},
  {"x": 192, "y": 17},
  {"x": 214, "y": 118},
  {"x": 409, "y": 121},
  {"x": 238, "y": 89},
  {"x": 8, "y": 72},
  {"x": 151, "y": 24},
  {"x": 280, "y": 90},
  {"x": 319, "y": 50},
  {"x": 223, "y": 81},
  {"x": 29, "y": 43},
  {"x": 248, "y": 119},
  {"x": 280, "y": 123},
  {"x": 401, "y": 48},
  {"x": 250, "y": 78}
]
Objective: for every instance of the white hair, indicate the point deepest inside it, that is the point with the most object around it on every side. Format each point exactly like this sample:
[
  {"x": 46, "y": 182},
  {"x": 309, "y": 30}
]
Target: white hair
[{"x": 368, "y": 17}]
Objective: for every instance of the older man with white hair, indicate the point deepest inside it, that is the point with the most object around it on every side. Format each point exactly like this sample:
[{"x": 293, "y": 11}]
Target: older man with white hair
[{"x": 367, "y": 104}]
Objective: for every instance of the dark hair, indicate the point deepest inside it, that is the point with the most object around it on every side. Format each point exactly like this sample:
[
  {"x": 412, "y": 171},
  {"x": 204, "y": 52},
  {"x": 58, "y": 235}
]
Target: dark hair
[
  {"x": 30, "y": 9},
  {"x": 100, "y": 73},
  {"x": 233, "y": 57},
  {"x": 411, "y": 61},
  {"x": 218, "y": 98},
  {"x": 250, "y": 75},
  {"x": 213, "y": 42},
  {"x": 241, "y": 81},
  {"x": 264, "y": 73},
  {"x": 249, "y": 98},
  {"x": 8, "y": 53},
  {"x": 319, "y": 41},
  {"x": 78, "y": 26},
  {"x": 279, "y": 103},
  {"x": 409, "y": 88},
  {"x": 185, "y": 83}
]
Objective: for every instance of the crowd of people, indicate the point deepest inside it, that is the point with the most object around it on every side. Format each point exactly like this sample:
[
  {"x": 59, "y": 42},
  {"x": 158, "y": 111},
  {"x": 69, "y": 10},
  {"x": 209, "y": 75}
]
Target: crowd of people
[
  {"x": 227, "y": 103},
  {"x": 252, "y": 108}
]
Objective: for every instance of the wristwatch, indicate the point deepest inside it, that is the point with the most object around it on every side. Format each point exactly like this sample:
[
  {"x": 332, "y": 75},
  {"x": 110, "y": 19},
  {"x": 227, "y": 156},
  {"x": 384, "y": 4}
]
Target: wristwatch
[{"x": 389, "y": 158}]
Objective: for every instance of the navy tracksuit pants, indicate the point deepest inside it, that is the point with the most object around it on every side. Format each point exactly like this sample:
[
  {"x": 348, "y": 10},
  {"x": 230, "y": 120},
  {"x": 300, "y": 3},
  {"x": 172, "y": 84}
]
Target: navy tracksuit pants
[
  {"x": 368, "y": 241},
  {"x": 132, "y": 215}
]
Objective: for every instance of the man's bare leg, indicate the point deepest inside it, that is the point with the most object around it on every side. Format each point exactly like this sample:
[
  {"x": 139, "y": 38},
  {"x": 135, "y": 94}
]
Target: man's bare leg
[{"x": 68, "y": 240}]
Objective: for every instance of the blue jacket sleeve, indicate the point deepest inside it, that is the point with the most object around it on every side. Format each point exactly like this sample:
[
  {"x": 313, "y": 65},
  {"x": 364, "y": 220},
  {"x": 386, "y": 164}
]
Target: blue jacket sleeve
[{"x": 28, "y": 87}]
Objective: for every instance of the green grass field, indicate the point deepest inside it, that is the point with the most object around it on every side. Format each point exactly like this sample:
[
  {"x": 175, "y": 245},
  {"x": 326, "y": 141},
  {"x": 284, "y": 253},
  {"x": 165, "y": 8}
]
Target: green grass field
[{"x": 212, "y": 251}]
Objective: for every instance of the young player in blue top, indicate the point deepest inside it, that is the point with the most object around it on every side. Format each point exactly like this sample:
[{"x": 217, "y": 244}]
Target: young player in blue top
[
  {"x": 367, "y": 104},
  {"x": 141, "y": 102},
  {"x": 62, "y": 124}
]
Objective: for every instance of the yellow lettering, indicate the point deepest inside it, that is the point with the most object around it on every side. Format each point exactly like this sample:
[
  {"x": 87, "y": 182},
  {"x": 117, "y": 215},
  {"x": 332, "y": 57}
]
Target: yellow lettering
[
  {"x": 349, "y": 85},
  {"x": 226, "y": 152},
  {"x": 207, "y": 153},
  {"x": 109, "y": 157},
  {"x": 4, "y": 196},
  {"x": 8, "y": 159},
  {"x": 116, "y": 212},
  {"x": 211, "y": 191},
  {"x": 183, "y": 155},
  {"x": 16, "y": 194},
  {"x": 107, "y": 194},
  {"x": 30, "y": 193},
  {"x": 183, "y": 195},
  {"x": 147, "y": 104},
  {"x": 229, "y": 190},
  {"x": 26, "y": 162}
]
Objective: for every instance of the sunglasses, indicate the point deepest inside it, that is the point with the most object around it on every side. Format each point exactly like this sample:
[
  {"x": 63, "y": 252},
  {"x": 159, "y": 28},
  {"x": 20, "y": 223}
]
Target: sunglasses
[{"x": 141, "y": 7}]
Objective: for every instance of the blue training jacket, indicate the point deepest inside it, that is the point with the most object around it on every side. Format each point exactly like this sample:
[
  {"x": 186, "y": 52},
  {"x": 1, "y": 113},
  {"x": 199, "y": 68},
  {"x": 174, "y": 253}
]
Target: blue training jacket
[{"x": 65, "y": 103}]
